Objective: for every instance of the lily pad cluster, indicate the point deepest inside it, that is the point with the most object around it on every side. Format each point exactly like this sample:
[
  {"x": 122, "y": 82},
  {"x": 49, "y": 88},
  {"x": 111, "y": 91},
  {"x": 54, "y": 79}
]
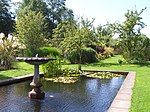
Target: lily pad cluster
[
  {"x": 100, "y": 75},
  {"x": 63, "y": 79}
]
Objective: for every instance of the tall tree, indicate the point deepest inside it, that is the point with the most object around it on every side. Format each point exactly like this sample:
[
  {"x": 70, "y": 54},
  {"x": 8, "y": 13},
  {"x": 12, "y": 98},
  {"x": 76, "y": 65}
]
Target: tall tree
[
  {"x": 6, "y": 19},
  {"x": 104, "y": 35},
  {"x": 77, "y": 36},
  {"x": 30, "y": 30},
  {"x": 130, "y": 37},
  {"x": 54, "y": 11}
]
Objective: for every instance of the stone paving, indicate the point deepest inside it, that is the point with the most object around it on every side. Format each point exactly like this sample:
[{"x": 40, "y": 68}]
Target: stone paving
[{"x": 122, "y": 101}]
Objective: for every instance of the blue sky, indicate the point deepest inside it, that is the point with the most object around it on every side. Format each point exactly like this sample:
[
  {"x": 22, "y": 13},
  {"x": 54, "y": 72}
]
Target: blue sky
[{"x": 109, "y": 10}]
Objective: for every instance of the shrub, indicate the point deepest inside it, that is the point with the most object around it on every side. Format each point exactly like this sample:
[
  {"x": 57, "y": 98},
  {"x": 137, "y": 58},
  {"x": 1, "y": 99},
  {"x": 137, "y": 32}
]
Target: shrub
[
  {"x": 28, "y": 53},
  {"x": 45, "y": 51},
  {"x": 88, "y": 56},
  {"x": 7, "y": 52},
  {"x": 108, "y": 52},
  {"x": 52, "y": 67}
]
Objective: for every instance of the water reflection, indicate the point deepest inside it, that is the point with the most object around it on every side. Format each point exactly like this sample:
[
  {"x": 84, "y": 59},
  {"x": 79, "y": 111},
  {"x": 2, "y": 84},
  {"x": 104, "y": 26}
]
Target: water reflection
[{"x": 87, "y": 95}]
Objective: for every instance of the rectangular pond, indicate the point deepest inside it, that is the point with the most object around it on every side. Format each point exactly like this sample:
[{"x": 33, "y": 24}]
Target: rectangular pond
[{"x": 86, "y": 95}]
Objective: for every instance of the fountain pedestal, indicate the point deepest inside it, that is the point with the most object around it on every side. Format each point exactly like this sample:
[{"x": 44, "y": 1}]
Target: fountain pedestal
[{"x": 36, "y": 92}]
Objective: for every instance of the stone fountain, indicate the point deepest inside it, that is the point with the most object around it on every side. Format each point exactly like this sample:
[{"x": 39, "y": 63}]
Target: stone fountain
[{"x": 36, "y": 93}]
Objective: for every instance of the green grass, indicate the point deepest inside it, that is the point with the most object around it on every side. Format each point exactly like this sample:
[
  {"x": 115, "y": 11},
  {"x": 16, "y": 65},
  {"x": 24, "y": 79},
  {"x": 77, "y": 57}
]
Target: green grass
[
  {"x": 21, "y": 68},
  {"x": 141, "y": 90}
]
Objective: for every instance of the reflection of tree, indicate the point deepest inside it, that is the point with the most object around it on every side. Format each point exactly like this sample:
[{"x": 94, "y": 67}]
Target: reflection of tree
[
  {"x": 22, "y": 89},
  {"x": 4, "y": 95}
]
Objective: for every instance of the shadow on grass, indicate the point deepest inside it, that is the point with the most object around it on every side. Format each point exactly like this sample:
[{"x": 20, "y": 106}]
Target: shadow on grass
[
  {"x": 144, "y": 64},
  {"x": 2, "y": 77},
  {"x": 101, "y": 64}
]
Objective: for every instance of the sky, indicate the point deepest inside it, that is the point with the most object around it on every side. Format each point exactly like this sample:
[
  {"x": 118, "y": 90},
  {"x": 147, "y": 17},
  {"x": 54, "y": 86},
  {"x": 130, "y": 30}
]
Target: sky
[{"x": 109, "y": 10}]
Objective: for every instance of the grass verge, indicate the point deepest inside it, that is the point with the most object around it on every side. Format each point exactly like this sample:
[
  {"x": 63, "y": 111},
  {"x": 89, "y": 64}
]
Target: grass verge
[{"x": 21, "y": 68}]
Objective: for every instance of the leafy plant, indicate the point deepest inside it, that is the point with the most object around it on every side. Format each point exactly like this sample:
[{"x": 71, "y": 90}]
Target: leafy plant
[
  {"x": 52, "y": 67},
  {"x": 45, "y": 51},
  {"x": 131, "y": 40},
  {"x": 30, "y": 30},
  {"x": 88, "y": 56},
  {"x": 77, "y": 35},
  {"x": 8, "y": 51}
]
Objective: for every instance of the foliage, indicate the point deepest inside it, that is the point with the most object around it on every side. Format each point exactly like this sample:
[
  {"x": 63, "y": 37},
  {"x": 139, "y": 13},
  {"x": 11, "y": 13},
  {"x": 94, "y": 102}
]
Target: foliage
[
  {"x": 131, "y": 41},
  {"x": 30, "y": 30},
  {"x": 60, "y": 32},
  {"x": 104, "y": 35},
  {"x": 77, "y": 36},
  {"x": 52, "y": 67},
  {"x": 146, "y": 51},
  {"x": 8, "y": 52},
  {"x": 88, "y": 56},
  {"x": 6, "y": 19},
  {"x": 54, "y": 10},
  {"x": 109, "y": 51},
  {"x": 45, "y": 51}
]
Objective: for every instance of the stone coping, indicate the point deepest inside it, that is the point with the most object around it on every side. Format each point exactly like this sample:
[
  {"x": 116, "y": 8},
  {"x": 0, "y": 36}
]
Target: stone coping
[
  {"x": 122, "y": 101},
  {"x": 17, "y": 79}
]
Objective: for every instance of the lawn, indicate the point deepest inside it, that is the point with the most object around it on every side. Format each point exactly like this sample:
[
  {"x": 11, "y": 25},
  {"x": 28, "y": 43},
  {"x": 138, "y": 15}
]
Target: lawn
[
  {"x": 141, "y": 90},
  {"x": 21, "y": 68}
]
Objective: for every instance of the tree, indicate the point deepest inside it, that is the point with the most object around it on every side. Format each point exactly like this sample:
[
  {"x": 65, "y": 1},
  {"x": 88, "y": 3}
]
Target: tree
[
  {"x": 130, "y": 37},
  {"x": 30, "y": 30},
  {"x": 54, "y": 10},
  {"x": 6, "y": 19},
  {"x": 77, "y": 36},
  {"x": 104, "y": 35}
]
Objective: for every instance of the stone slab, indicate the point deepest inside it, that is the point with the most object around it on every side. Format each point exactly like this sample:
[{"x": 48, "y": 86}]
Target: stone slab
[{"x": 122, "y": 101}]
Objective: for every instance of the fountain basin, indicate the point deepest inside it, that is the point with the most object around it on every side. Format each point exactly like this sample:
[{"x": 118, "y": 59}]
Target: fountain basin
[
  {"x": 35, "y": 93},
  {"x": 35, "y": 60}
]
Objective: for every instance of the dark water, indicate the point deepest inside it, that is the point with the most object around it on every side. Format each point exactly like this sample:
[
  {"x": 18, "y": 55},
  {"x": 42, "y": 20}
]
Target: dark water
[{"x": 87, "y": 95}]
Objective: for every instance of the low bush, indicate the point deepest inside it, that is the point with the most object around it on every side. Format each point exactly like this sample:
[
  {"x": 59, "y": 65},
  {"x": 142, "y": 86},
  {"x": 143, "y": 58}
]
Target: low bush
[
  {"x": 88, "y": 56},
  {"x": 46, "y": 51},
  {"x": 108, "y": 52}
]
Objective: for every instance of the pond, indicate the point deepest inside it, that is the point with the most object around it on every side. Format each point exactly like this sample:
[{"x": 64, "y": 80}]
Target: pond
[{"x": 86, "y": 95}]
